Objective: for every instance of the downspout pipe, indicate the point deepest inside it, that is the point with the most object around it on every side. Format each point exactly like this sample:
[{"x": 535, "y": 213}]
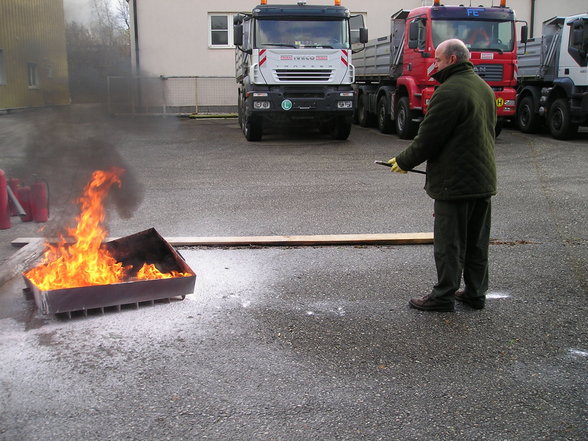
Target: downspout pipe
[
  {"x": 136, "y": 32},
  {"x": 137, "y": 57},
  {"x": 532, "y": 33}
]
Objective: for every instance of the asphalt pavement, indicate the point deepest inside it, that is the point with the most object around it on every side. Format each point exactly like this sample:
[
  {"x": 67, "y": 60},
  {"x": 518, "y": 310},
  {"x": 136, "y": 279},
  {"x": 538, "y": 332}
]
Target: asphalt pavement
[{"x": 298, "y": 343}]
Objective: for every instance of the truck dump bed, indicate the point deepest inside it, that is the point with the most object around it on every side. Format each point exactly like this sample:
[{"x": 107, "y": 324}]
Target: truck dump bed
[
  {"x": 538, "y": 58},
  {"x": 374, "y": 60},
  {"x": 382, "y": 57},
  {"x": 529, "y": 57}
]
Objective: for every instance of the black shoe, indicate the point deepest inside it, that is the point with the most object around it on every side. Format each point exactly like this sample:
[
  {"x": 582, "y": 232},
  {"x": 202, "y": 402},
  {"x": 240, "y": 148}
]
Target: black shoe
[
  {"x": 426, "y": 303},
  {"x": 472, "y": 302}
]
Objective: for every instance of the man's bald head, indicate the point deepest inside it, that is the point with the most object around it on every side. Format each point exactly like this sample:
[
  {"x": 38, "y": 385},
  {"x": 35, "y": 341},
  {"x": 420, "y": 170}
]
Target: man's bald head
[
  {"x": 450, "y": 52},
  {"x": 455, "y": 47}
]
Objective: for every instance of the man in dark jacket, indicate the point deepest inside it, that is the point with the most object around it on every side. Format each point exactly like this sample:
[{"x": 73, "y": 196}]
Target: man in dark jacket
[{"x": 456, "y": 138}]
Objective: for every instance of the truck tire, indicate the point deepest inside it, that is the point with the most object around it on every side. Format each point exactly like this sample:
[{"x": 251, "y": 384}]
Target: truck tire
[
  {"x": 341, "y": 128},
  {"x": 385, "y": 124},
  {"x": 325, "y": 128},
  {"x": 406, "y": 128},
  {"x": 240, "y": 110},
  {"x": 498, "y": 128},
  {"x": 364, "y": 118},
  {"x": 252, "y": 130},
  {"x": 527, "y": 119},
  {"x": 355, "y": 117},
  {"x": 559, "y": 120}
]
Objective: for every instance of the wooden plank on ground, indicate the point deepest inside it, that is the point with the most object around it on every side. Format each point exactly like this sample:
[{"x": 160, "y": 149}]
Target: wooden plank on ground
[
  {"x": 301, "y": 240},
  {"x": 21, "y": 260},
  {"x": 306, "y": 240}
]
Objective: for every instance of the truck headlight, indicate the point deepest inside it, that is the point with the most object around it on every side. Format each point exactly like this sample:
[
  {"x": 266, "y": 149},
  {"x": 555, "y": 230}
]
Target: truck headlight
[
  {"x": 344, "y": 104},
  {"x": 261, "y": 105}
]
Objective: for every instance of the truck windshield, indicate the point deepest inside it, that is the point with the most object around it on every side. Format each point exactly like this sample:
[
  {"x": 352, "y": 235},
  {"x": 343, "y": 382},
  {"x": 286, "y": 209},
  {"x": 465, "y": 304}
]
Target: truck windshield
[
  {"x": 477, "y": 35},
  {"x": 302, "y": 33}
]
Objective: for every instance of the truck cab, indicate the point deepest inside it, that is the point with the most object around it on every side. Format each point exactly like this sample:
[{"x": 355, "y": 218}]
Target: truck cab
[
  {"x": 293, "y": 65},
  {"x": 488, "y": 33}
]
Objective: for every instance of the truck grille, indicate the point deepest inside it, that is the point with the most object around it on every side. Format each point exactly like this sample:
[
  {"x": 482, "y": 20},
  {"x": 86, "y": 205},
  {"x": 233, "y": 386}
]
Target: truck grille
[
  {"x": 489, "y": 72},
  {"x": 303, "y": 74},
  {"x": 295, "y": 95}
]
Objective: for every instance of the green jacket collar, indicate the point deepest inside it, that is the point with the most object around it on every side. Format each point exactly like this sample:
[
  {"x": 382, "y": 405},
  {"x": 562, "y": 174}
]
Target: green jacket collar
[{"x": 444, "y": 74}]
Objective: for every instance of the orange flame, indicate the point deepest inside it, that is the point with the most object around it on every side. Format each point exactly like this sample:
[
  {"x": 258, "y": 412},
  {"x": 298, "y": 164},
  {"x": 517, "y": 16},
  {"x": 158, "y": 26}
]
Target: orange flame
[{"x": 85, "y": 262}]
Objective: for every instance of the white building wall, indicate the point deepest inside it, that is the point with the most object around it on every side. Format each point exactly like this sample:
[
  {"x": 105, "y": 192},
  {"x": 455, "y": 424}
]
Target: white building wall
[
  {"x": 545, "y": 9},
  {"x": 173, "y": 35}
]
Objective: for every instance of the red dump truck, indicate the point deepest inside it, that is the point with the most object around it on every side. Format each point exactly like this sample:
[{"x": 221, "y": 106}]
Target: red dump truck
[{"x": 393, "y": 83}]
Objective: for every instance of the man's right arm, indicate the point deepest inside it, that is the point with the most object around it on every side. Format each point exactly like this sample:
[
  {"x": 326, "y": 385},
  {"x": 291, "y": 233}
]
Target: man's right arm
[{"x": 434, "y": 131}]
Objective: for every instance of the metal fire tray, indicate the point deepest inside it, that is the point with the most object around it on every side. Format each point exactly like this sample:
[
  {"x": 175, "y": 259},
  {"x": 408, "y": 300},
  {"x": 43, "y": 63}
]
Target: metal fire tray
[{"x": 134, "y": 250}]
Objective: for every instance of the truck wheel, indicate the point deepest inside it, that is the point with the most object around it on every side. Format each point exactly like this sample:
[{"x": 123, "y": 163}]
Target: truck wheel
[
  {"x": 363, "y": 116},
  {"x": 406, "y": 128},
  {"x": 527, "y": 120},
  {"x": 240, "y": 110},
  {"x": 325, "y": 128},
  {"x": 385, "y": 124},
  {"x": 355, "y": 117},
  {"x": 559, "y": 120},
  {"x": 341, "y": 128},
  {"x": 498, "y": 128},
  {"x": 252, "y": 130}
]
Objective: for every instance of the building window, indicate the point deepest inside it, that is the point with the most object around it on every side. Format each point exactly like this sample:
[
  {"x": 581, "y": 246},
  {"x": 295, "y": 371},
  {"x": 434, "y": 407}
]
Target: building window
[
  {"x": 2, "y": 68},
  {"x": 220, "y": 30},
  {"x": 33, "y": 77}
]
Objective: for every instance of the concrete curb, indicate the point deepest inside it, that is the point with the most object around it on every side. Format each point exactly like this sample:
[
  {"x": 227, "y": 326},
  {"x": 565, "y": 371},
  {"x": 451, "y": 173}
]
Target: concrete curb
[{"x": 212, "y": 116}]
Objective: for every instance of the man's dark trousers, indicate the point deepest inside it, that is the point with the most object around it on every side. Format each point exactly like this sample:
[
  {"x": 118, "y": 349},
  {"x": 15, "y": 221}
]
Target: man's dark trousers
[{"x": 462, "y": 235}]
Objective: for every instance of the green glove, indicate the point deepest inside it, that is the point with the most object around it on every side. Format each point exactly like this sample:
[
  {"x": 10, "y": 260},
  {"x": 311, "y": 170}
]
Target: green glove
[{"x": 394, "y": 166}]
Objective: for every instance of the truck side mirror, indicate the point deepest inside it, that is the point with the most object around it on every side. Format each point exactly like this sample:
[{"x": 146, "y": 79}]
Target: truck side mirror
[
  {"x": 357, "y": 29},
  {"x": 585, "y": 35},
  {"x": 413, "y": 32},
  {"x": 578, "y": 42},
  {"x": 413, "y": 35},
  {"x": 524, "y": 34},
  {"x": 416, "y": 34},
  {"x": 577, "y": 37},
  {"x": 363, "y": 35},
  {"x": 238, "y": 35}
]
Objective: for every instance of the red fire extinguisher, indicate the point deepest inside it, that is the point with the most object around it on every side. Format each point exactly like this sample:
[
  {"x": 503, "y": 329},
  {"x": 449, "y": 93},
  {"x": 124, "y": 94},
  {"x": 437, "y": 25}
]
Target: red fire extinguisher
[
  {"x": 24, "y": 197},
  {"x": 40, "y": 201},
  {"x": 4, "y": 211}
]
